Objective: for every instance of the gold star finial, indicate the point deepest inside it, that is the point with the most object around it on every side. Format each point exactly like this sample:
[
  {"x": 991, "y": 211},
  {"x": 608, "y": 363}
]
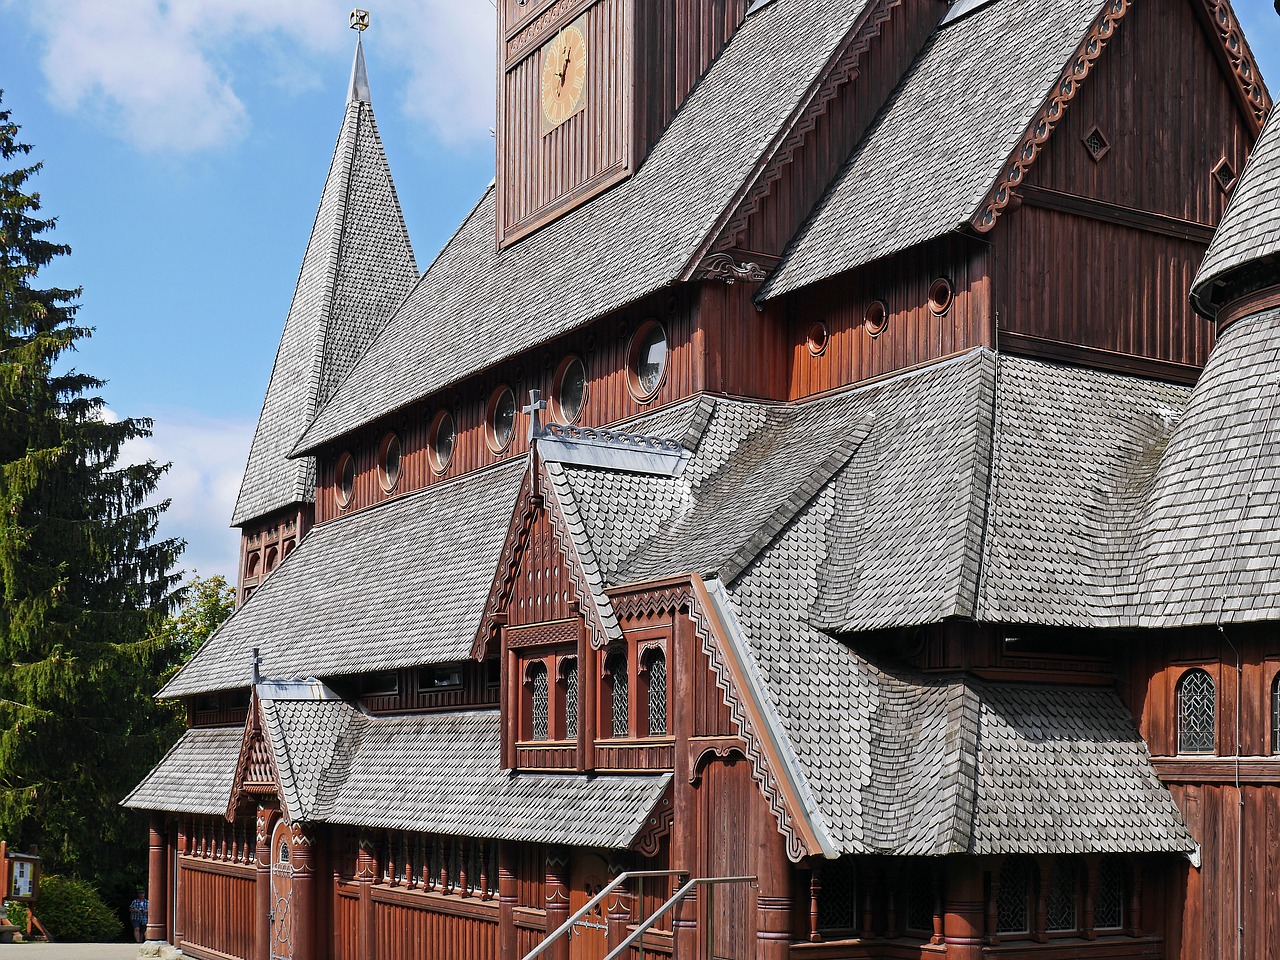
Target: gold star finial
[{"x": 359, "y": 19}]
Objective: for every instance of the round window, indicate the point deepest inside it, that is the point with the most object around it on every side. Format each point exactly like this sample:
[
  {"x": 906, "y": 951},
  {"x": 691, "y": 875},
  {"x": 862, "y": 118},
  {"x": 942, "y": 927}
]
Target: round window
[
  {"x": 940, "y": 296},
  {"x": 876, "y": 318},
  {"x": 501, "y": 419},
  {"x": 345, "y": 478},
  {"x": 571, "y": 390},
  {"x": 817, "y": 339},
  {"x": 389, "y": 462},
  {"x": 648, "y": 361},
  {"x": 443, "y": 434}
]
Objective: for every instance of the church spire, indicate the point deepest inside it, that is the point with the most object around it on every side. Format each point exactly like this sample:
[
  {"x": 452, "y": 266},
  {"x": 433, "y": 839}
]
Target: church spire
[{"x": 358, "y": 266}]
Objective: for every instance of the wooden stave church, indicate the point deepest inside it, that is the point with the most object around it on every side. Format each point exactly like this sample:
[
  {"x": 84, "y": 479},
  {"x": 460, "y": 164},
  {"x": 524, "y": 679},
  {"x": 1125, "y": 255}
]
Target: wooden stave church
[{"x": 929, "y": 556}]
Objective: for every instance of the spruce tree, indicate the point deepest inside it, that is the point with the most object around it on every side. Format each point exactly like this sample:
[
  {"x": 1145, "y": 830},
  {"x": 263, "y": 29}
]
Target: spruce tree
[{"x": 84, "y": 582}]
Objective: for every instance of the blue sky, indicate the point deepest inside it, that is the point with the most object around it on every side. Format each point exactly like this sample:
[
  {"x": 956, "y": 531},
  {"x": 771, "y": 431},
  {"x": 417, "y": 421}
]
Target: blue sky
[{"x": 185, "y": 144}]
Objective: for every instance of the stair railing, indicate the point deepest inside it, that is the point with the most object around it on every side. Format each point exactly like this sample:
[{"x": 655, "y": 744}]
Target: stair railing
[
  {"x": 709, "y": 882},
  {"x": 566, "y": 928}
]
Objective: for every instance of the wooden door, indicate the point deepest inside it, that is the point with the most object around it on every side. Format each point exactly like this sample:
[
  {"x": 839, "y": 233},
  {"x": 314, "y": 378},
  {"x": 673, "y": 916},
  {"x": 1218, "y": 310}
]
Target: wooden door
[
  {"x": 282, "y": 933},
  {"x": 726, "y": 912},
  {"x": 588, "y": 876}
]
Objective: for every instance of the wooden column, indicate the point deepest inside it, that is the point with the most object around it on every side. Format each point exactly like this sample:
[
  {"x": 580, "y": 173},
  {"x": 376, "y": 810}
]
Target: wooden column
[
  {"x": 178, "y": 924},
  {"x": 302, "y": 899},
  {"x": 964, "y": 910},
  {"x": 507, "y": 894},
  {"x": 157, "y": 879},
  {"x": 684, "y": 854},
  {"x": 262, "y": 885},
  {"x": 367, "y": 868},
  {"x": 557, "y": 902},
  {"x": 815, "y": 895},
  {"x": 617, "y": 906},
  {"x": 774, "y": 882}
]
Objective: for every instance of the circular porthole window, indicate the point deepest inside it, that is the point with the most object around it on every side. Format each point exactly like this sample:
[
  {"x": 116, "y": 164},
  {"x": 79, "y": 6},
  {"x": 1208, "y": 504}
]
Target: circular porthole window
[
  {"x": 940, "y": 296},
  {"x": 389, "y": 462},
  {"x": 442, "y": 437},
  {"x": 816, "y": 341},
  {"x": 344, "y": 478},
  {"x": 647, "y": 363},
  {"x": 876, "y": 318},
  {"x": 501, "y": 419},
  {"x": 571, "y": 390}
]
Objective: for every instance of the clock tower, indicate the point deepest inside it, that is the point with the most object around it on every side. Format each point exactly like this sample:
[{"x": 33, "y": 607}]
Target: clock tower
[{"x": 585, "y": 88}]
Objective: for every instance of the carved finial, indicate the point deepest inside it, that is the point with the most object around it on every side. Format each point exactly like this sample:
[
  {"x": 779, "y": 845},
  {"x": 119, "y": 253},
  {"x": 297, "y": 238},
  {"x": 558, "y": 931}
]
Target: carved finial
[
  {"x": 257, "y": 663},
  {"x": 534, "y": 409},
  {"x": 359, "y": 19}
]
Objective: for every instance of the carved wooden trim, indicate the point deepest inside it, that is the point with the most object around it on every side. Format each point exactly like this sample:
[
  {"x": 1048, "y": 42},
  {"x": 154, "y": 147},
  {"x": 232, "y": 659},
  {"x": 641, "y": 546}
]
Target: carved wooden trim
[
  {"x": 504, "y": 578},
  {"x": 753, "y": 749},
  {"x": 843, "y": 67},
  {"x": 1050, "y": 114},
  {"x": 656, "y": 826},
  {"x": 1239, "y": 61},
  {"x": 597, "y": 635},
  {"x": 650, "y": 603},
  {"x": 555, "y": 633},
  {"x": 729, "y": 268},
  {"x": 528, "y": 36},
  {"x": 705, "y": 749},
  {"x": 241, "y": 786}
]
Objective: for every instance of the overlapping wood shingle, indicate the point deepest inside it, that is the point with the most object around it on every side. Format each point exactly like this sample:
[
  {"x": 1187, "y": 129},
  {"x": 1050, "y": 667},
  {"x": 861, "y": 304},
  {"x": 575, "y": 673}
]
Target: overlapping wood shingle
[{"x": 194, "y": 776}]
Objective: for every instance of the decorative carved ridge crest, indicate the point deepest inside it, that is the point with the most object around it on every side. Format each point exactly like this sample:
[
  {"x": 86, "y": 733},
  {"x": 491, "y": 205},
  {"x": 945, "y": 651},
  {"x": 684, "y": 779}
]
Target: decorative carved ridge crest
[
  {"x": 1241, "y": 60},
  {"x": 727, "y": 267},
  {"x": 760, "y": 772},
  {"x": 255, "y": 752},
  {"x": 843, "y": 67},
  {"x": 651, "y": 602},
  {"x": 1050, "y": 114},
  {"x": 658, "y": 825},
  {"x": 504, "y": 579}
]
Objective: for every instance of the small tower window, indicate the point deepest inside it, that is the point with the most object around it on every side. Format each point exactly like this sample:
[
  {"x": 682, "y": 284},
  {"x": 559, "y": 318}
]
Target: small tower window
[
  {"x": 1195, "y": 712},
  {"x": 389, "y": 462},
  {"x": 648, "y": 360},
  {"x": 539, "y": 701},
  {"x": 571, "y": 390},
  {"x": 501, "y": 420},
  {"x": 941, "y": 296},
  {"x": 619, "y": 695},
  {"x": 344, "y": 476},
  {"x": 656, "y": 667},
  {"x": 876, "y": 319},
  {"x": 440, "y": 445},
  {"x": 569, "y": 675}
]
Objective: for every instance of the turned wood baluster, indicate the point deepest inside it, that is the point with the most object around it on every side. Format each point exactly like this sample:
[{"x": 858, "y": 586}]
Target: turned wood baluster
[{"x": 815, "y": 892}]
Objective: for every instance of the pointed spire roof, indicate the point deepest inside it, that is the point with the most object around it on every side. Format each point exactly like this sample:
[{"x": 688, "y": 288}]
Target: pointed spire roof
[{"x": 358, "y": 266}]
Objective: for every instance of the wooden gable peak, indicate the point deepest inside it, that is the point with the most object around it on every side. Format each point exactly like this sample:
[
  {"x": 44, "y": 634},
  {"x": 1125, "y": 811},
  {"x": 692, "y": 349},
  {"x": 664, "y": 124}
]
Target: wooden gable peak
[{"x": 256, "y": 773}]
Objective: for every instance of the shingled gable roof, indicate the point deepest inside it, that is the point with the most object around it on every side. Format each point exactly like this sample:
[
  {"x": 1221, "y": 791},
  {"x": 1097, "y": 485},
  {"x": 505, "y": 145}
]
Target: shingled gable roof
[
  {"x": 929, "y": 162},
  {"x": 1249, "y": 231},
  {"x": 194, "y": 776},
  {"x": 358, "y": 266},
  {"x": 477, "y": 305}
]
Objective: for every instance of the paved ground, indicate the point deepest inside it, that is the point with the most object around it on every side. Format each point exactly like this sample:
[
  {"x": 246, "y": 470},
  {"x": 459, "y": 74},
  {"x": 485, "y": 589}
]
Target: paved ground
[{"x": 68, "y": 951}]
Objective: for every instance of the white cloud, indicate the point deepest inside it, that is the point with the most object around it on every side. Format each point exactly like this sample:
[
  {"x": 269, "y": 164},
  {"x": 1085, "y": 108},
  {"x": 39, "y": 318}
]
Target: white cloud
[
  {"x": 163, "y": 72},
  {"x": 208, "y": 457}
]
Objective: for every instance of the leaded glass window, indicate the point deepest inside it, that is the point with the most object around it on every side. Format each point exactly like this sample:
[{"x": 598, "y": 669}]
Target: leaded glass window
[
  {"x": 620, "y": 695},
  {"x": 1060, "y": 899},
  {"x": 1015, "y": 888},
  {"x": 1195, "y": 712},
  {"x": 921, "y": 896},
  {"x": 838, "y": 899},
  {"x": 1108, "y": 899},
  {"x": 570, "y": 672},
  {"x": 657, "y": 693},
  {"x": 541, "y": 701}
]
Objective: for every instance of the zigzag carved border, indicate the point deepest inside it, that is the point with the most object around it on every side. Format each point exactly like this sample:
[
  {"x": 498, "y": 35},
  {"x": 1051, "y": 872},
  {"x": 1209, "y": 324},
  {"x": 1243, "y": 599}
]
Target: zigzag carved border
[
  {"x": 845, "y": 66},
  {"x": 597, "y": 636},
  {"x": 504, "y": 577},
  {"x": 649, "y": 603},
  {"x": 760, "y": 771},
  {"x": 1047, "y": 118},
  {"x": 1240, "y": 59}
]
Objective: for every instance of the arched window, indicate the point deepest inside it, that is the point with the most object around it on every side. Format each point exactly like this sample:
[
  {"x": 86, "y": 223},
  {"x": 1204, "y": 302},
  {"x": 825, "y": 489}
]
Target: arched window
[
  {"x": 538, "y": 700},
  {"x": 1275, "y": 715},
  {"x": 619, "y": 695},
  {"x": 569, "y": 677},
  {"x": 1012, "y": 915},
  {"x": 1195, "y": 712},
  {"x": 655, "y": 662}
]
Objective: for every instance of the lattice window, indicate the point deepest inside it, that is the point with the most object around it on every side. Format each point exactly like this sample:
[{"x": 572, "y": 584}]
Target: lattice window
[
  {"x": 657, "y": 661},
  {"x": 1196, "y": 696},
  {"x": 619, "y": 695},
  {"x": 1096, "y": 143},
  {"x": 922, "y": 893},
  {"x": 540, "y": 701},
  {"x": 838, "y": 899},
  {"x": 1108, "y": 898},
  {"x": 1060, "y": 898},
  {"x": 1015, "y": 889},
  {"x": 1275, "y": 715},
  {"x": 570, "y": 673},
  {"x": 1225, "y": 175}
]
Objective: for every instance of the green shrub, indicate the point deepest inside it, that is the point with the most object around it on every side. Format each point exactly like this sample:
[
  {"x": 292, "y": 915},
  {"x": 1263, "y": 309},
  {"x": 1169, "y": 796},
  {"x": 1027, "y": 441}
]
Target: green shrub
[
  {"x": 16, "y": 914},
  {"x": 72, "y": 910}
]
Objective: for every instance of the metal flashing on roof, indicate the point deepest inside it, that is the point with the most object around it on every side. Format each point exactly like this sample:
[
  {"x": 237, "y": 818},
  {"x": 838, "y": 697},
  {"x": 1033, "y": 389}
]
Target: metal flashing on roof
[
  {"x": 294, "y": 689},
  {"x": 962, "y": 8},
  {"x": 612, "y": 450}
]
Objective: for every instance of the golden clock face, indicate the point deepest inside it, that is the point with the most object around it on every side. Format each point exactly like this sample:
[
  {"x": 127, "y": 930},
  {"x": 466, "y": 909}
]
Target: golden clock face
[{"x": 564, "y": 77}]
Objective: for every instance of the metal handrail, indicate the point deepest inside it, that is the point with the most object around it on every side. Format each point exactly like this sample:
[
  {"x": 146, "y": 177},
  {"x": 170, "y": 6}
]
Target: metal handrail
[
  {"x": 662, "y": 911},
  {"x": 590, "y": 904}
]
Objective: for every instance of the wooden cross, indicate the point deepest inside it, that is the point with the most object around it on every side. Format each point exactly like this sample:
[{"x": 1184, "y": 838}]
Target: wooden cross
[{"x": 535, "y": 407}]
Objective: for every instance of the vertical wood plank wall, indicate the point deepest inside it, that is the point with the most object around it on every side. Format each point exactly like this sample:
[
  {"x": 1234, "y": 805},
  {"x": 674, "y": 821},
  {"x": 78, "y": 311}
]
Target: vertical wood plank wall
[{"x": 216, "y": 906}]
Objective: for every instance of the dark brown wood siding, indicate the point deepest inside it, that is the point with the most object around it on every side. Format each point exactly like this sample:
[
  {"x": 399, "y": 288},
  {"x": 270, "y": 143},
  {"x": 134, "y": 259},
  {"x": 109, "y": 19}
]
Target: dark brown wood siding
[{"x": 216, "y": 907}]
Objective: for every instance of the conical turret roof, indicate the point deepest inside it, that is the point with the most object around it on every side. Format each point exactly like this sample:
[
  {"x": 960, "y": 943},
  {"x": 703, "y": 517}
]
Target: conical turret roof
[
  {"x": 358, "y": 266},
  {"x": 1247, "y": 243}
]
